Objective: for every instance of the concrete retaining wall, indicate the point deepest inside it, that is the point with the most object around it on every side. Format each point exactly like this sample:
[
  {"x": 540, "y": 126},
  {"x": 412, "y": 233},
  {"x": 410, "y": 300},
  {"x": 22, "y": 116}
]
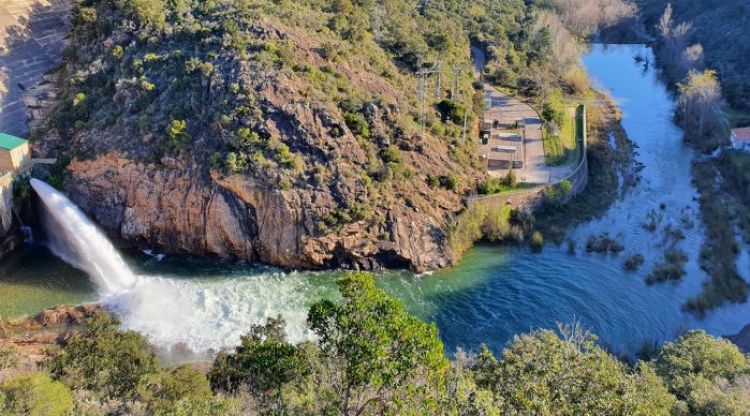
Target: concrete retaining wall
[
  {"x": 9, "y": 237},
  {"x": 530, "y": 198}
]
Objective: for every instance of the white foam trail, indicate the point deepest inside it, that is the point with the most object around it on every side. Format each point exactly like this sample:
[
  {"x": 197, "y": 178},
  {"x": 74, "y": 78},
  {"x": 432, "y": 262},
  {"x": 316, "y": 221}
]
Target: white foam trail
[
  {"x": 200, "y": 314},
  {"x": 212, "y": 314},
  {"x": 75, "y": 239}
]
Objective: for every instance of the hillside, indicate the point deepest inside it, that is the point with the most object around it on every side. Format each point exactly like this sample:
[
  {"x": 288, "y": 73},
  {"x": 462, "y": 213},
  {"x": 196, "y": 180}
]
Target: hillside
[
  {"x": 286, "y": 133},
  {"x": 721, "y": 27}
]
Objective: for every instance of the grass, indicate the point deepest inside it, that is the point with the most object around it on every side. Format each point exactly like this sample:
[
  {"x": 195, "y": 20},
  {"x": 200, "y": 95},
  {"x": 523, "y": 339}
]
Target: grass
[
  {"x": 562, "y": 149},
  {"x": 553, "y": 149}
]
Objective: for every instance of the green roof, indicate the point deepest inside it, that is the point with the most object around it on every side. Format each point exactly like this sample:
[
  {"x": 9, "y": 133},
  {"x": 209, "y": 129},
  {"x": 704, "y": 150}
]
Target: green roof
[{"x": 9, "y": 142}]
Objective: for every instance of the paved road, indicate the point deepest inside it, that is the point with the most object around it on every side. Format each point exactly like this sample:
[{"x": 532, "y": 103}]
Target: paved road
[
  {"x": 501, "y": 106},
  {"x": 32, "y": 39}
]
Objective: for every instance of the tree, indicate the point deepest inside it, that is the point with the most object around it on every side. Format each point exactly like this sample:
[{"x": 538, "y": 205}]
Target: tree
[
  {"x": 452, "y": 110},
  {"x": 35, "y": 394},
  {"x": 700, "y": 110},
  {"x": 543, "y": 373},
  {"x": 181, "y": 391},
  {"x": 105, "y": 360},
  {"x": 148, "y": 12},
  {"x": 391, "y": 362},
  {"x": 262, "y": 364},
  {"x": 710, "y": 375}
]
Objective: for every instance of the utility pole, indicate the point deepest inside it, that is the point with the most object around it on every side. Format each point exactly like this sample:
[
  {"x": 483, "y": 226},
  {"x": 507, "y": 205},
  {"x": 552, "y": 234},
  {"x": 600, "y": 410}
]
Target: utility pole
[
  {"x": 423, "y": 73},
  {"x": 438, "y": 67},
  {"x": 457, "y": 71}
]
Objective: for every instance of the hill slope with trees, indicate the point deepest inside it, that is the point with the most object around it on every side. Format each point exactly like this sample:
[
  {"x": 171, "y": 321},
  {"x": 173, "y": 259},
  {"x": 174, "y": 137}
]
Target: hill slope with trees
[{"x": 291, "y": 133}]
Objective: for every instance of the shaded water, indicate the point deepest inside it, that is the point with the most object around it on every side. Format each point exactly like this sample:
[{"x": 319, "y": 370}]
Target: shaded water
[{"x": 495, "y": 293}]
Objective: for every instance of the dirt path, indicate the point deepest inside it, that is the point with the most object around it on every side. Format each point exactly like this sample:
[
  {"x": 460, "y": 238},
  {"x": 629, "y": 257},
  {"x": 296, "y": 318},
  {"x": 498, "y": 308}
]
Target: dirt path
[{"x": 32, "y": 39}]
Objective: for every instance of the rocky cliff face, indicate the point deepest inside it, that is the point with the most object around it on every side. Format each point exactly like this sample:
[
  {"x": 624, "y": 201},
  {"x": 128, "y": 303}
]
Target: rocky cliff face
[{"x": 234, "y": 217}]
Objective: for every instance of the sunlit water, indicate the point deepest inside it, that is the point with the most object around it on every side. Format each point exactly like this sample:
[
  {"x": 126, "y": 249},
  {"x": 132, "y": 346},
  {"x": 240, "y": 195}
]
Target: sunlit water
[{"x": 495, "y": 293}]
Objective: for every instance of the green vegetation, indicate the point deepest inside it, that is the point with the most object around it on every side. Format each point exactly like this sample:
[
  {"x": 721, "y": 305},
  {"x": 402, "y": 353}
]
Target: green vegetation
[
  {"x": 537, "y": 240},
  {"x": 372, "y": 357},
  {"x": 713, "y": 24},
  {"x": 605, "y": 164},
  {"x": 490, "y": 223},
  {"x": 35, "y": 394},
  {"x": 700, "y": 111},
  {"x": 672, "y": 269},
  {"x": 603, "y": 243},
  {"x": 563, "y": 132},
  {"x": 299, "y": 97},
  {"x": 707, "y": 375},
  {"x": 723, "y": 186},
  {"x": 452, "y": 110},
  {"x": 694, "y": 40},
  {"x": 558, "y": 194},
  {"x": 495, "y": 185},
  {"x": 633, "y": 262}
]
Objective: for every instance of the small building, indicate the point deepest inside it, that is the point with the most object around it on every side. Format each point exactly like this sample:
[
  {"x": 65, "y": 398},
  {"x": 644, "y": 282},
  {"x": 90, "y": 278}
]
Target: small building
[
  {"x": 741, "y": 139},
  {"x": 485, "y": 130},
  {"x": 15, "y": 154}
]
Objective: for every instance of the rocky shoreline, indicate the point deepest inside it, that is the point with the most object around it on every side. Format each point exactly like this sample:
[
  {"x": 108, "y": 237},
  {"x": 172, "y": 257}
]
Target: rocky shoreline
[{"x": 31, "y": 337}]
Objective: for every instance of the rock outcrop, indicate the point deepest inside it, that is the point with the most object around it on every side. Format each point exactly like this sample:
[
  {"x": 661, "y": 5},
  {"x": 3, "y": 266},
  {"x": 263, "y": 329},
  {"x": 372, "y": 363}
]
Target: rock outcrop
[{"x": 233, "y": 217}]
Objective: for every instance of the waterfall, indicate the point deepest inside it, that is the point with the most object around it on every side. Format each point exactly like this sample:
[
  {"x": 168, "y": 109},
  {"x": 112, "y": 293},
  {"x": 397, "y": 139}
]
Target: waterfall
[
  {"x": 75, "y": 239},
  {"x": 201, "y": 314}
]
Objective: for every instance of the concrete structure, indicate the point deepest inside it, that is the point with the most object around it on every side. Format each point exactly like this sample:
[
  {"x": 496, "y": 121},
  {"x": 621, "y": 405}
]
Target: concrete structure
[
  {"x": 15, "y": 154},
  {"x": 530, "y": 198},
  {"x": 32, "y": 38},
  {"x": 511, "y": 123},
  {"x": 741, "y": 139}
]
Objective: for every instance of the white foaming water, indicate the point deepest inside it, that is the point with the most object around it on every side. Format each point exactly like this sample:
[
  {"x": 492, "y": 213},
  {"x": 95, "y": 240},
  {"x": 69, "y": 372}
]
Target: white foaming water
[
  {"x": 200, "y": 314},
  {"x": 75, "y": 239},
  {"x": 213, "y": 313}
]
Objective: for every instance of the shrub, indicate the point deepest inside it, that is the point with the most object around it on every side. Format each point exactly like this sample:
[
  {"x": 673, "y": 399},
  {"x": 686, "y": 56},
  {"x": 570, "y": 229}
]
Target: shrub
[
  {"x": 603, "y": 243},
  {"x": 552, "y": 114},
  {"x": 634, "y": 262},
  {"x": 148, "y": 12},
  {"x": 357, "y": 124},
  {"x": 390, "y": 154},
  {"x": 35, "y": 395},
  {"x": 543, "y": 373},
  {"x": 452, "y": 110},
  {"x": 85, "y": 16},
  {"x": 117, "y": 52},
  {"x": 705, "y": 373},
  {"x": 673, "y": 268},
  {"x": 558, "y": 194},
  {"x": 105, "y": 360},
  {"x": 178, "y": 135},
  {"x": 537, "y": 240},
  {"x": 450, "y": 182},
  {"x": 498, "y": 185}
]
